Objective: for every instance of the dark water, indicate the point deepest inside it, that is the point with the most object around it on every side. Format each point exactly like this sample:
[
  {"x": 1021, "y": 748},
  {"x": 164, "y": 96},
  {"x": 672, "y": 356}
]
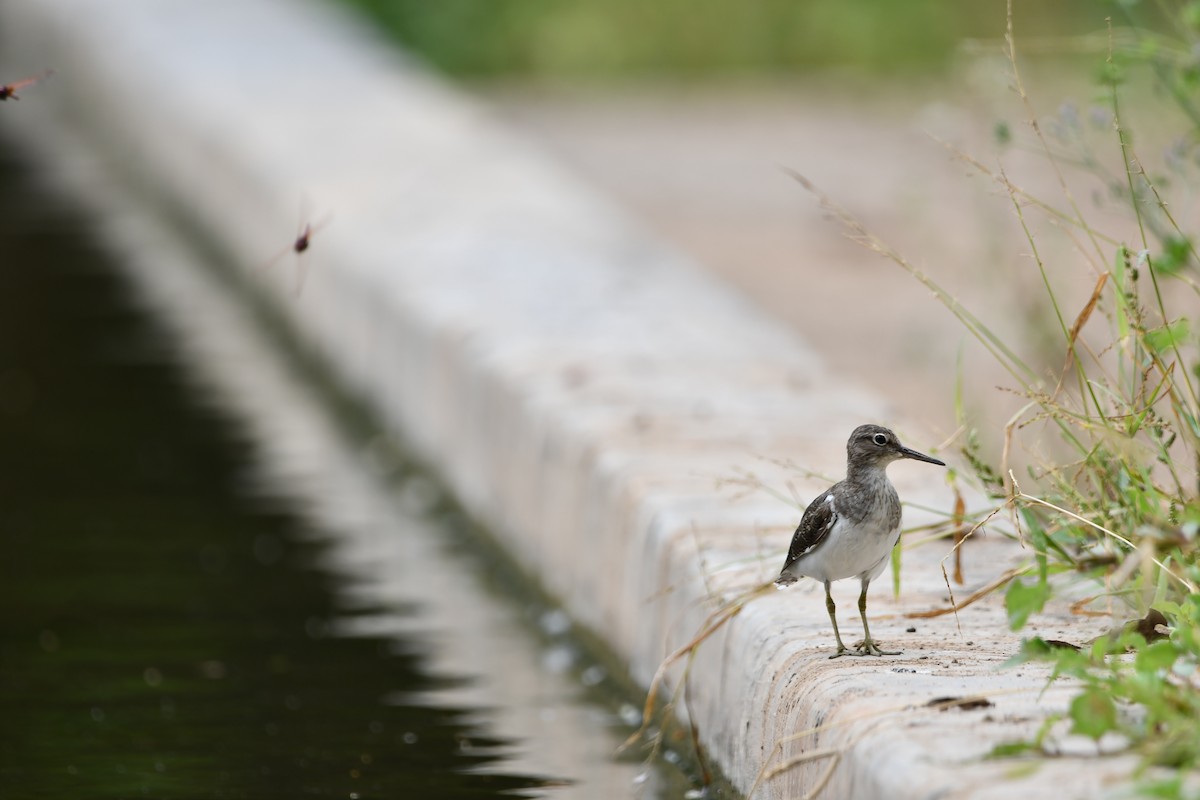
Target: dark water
[{"x": 163, "y": 631}]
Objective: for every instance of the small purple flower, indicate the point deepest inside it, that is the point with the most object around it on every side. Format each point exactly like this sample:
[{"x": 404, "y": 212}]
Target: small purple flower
[
  {"x": 1100, "y": 117},
  {"x": 1069, "y": 114},
  {"x": 1175, "y": 155}
]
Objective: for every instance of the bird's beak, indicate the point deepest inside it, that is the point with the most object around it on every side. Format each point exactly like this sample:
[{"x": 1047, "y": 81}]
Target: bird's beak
[{"x": 906, "y": 452}]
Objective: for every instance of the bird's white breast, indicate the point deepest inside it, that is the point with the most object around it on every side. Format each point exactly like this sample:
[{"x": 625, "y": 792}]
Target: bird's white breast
[{"x": 851, "y": 549}]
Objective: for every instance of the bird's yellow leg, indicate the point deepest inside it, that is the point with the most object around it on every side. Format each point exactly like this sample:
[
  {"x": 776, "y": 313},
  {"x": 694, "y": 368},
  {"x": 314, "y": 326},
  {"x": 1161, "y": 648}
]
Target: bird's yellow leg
[
  {"x": 831, "y": 607},
  {"x": 867, "y": 646}
]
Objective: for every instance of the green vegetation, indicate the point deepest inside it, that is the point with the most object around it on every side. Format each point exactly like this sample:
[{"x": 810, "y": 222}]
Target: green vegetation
[
  {"x": 1108, "y": 501},
  {"x": 694, "y": 38},
  {"x": 1121, "y": 508}
]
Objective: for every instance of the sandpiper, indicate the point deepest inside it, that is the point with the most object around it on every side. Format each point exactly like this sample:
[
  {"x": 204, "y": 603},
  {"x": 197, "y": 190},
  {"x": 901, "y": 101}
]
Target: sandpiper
[{"x": 849, "y": 530}]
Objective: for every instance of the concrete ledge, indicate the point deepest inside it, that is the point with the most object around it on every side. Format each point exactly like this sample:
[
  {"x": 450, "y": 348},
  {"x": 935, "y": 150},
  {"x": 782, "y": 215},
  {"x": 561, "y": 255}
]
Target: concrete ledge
[{"x": 579, "y": 386}]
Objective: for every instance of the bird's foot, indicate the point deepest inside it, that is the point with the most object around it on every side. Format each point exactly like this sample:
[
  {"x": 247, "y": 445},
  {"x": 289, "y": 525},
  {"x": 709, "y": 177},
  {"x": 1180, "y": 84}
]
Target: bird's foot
[
  {"x": 842, "y": 651},
  {"x": 869, "y": 647}
]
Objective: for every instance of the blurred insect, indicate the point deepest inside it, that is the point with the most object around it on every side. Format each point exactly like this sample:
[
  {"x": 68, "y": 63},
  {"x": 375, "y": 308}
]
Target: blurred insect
[
  {"x": 304, "y": 234},
  {"x": 9, "y": 91}
]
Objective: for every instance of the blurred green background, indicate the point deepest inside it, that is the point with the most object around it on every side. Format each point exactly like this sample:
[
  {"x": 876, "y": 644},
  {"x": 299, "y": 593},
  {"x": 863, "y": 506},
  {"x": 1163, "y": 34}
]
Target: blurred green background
[{"x": 614, "y": 39}]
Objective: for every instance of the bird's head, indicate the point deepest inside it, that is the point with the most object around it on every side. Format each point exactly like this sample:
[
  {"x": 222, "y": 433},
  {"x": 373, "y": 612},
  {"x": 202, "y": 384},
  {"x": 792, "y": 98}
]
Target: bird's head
[{"x": 875, "y": 445}]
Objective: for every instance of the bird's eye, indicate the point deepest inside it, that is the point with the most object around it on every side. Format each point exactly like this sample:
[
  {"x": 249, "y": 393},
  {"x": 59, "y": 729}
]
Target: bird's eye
[{"x": 879, "y": 439}]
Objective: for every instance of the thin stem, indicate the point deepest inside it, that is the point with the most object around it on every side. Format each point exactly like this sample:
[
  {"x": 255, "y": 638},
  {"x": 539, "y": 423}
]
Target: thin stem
[{"x": 1037, "y": 129}]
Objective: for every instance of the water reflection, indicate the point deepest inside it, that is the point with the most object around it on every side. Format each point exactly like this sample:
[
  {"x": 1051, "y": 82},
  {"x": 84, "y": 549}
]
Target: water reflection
[{"x": 190, "y": 607}]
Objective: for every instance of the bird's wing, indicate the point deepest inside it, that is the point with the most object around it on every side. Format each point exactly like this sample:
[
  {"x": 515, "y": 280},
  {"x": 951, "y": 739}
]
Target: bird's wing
[{"x": 814, "y": 526}]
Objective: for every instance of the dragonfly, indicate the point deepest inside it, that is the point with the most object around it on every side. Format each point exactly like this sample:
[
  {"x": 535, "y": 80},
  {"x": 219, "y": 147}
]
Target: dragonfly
[
  {"x": 9, "y": 91},
  {"x": 299, "y": 246}
]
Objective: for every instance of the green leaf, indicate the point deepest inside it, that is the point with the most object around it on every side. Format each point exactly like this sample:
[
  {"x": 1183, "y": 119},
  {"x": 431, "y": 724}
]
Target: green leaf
[
  {"x": 1177, "y": 250},
  {"x": 896, "y": 570},
  {"x": 1111, "y": 74},
  {"x": 1168, "y": 336},
  {"x": 1105, "y": 645},
  {"x": 1010, "y": 749},
  {"x": 1041, "y": 543},
  {"x": 1093, "y": 714},
  {"x": 1023, "y": 599},
  {"x": 1160, "y": 655},
  {"x": 1022, "y": 770},
  {"x": 1034, "y": 649},
  {"x": 1120, "y": 269},
  {"x": 1002, "y": 133},
  {"x": 1167, "y": 789}
]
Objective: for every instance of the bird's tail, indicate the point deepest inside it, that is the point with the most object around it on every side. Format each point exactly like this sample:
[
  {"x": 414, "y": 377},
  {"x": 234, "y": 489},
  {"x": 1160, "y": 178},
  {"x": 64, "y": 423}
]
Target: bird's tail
[{"x": 785, "y": 580}]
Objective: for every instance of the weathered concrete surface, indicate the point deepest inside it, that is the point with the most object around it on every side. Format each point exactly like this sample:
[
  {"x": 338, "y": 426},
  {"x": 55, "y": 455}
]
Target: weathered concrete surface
[{"x": 580, "y": 387}]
